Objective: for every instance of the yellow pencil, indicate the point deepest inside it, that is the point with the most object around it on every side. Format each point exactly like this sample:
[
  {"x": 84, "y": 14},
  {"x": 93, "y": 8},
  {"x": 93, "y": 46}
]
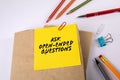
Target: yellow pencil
[{"x": 114, "y": 71}]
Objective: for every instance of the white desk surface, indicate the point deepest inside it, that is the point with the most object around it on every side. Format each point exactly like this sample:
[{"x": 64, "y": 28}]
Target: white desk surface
[{"x": 19, "y": 15}]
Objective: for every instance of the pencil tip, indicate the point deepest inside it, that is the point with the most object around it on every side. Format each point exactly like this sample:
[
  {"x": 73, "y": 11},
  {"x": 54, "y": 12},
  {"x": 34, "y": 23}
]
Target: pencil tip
[
  {"x": 56, "y": 18},
  {"x": 81, "y": 16},
  {"x": 47, "y": 20},
  {"x": 68, "y": 13},
  {"x": 97, "y": 62}
]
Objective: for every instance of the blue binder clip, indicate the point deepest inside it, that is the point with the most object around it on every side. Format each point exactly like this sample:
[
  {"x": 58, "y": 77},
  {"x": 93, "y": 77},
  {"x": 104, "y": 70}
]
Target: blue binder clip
[{"x": 102, "y": 41}]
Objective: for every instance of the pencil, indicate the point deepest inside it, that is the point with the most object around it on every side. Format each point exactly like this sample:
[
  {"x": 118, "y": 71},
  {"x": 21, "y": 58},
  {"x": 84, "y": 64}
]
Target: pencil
[
  {"x": 101, "y": 68},
  {"x": 79, "y": 6},
  {"x": 114, "y": 71},
  {"x": 65, "y": 8},
  {"x": 56, "y": 9}
]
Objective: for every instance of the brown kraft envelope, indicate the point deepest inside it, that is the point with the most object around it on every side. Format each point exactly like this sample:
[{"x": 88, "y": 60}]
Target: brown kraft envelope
[{"x": 23, "y": 54}]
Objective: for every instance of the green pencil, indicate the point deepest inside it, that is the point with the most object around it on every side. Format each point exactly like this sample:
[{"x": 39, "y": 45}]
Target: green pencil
[{"x": 79, "y": 6}]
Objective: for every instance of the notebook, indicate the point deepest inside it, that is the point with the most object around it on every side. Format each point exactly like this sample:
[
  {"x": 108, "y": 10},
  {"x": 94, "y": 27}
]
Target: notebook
[{"x": 23, "y": 60}]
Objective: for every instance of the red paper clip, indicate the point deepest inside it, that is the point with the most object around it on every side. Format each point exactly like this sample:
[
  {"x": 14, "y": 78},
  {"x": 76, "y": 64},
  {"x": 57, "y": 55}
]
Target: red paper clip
[{"x": 62, "y": 26}]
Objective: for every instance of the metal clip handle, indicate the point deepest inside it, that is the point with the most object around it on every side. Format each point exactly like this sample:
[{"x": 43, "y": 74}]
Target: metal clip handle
[{"x": 108, "y": 38}]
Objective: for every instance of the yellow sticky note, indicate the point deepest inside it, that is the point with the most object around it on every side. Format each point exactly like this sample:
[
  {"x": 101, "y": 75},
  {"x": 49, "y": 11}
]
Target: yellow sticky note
[{"x": 56, "y": 49}]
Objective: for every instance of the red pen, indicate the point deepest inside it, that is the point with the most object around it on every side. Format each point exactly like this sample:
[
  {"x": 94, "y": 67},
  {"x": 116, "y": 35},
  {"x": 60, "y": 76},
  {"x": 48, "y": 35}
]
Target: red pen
[{"x": 100, "y": 13}]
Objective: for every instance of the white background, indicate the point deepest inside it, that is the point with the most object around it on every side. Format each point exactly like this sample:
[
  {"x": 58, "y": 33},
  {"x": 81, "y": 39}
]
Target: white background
[{"x": 19, "y": 15}]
